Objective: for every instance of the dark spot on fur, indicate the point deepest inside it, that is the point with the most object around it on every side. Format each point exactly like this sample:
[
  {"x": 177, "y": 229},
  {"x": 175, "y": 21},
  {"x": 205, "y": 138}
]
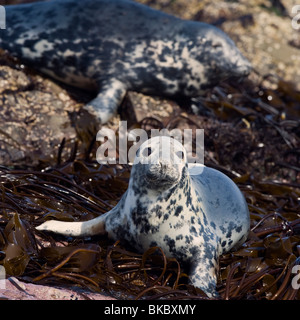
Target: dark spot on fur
[
  {"x": 193, "y": 231},
  {"x": 178, "y": 211},
  {"x": 179, "y": 237},
  {"x": 171, "y": 243},
  {"x": 238, "y": 229}
]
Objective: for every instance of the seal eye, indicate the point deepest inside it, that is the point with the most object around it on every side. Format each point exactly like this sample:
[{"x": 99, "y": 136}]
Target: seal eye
[
  {"x": 180, "y": 155},
  {"x": 216, "y": 45},
  {"x": 147, "y": 152}
]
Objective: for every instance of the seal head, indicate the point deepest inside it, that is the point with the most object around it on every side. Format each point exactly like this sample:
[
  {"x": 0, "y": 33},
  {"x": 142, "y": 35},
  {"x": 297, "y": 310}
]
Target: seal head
[
  {"x": 217, "y": 52},
  {"x": 159, "y": 162}
]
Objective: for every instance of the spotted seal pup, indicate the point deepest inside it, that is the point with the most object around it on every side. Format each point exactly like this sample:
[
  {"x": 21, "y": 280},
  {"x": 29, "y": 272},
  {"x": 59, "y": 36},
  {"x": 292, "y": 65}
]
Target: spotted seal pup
[
  {"x": 192, "y": 217},
  {"x": 112, "y": 46}
]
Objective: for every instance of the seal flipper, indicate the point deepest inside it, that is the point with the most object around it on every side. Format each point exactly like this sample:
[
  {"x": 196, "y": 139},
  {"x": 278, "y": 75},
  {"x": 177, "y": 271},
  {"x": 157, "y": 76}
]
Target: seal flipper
[
  {"x": 105, "y": 105},
  {"x": 203, "y": 273},
  {"x": 92, "y": 227},
  {"x": 98, "y": 226}
]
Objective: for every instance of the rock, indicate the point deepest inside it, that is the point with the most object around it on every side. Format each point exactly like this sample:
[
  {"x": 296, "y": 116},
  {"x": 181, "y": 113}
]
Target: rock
[
  {"x": 138, "y": 106},
  {"x": 34, "y": 116},
  {"x": 15, "y": 289}
]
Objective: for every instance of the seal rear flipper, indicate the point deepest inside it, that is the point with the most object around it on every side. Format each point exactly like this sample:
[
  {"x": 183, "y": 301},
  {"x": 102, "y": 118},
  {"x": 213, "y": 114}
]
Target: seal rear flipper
[
  {"x": 105, "y": 105},
  {"x": 203, "y": 274}
]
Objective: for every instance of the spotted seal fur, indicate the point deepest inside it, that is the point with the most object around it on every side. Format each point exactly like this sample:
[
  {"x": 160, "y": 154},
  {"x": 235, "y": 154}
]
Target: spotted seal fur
[
  {"x": 112, "y": 46},
  {"x": 192, "y": 217}
]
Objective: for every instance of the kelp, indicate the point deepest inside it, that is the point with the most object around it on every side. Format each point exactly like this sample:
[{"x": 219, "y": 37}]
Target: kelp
[{"x": 251, "y": 134}]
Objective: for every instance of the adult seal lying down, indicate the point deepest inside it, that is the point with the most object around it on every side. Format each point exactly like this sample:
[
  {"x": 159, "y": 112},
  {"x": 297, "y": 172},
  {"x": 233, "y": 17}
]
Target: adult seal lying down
[
  {"x": 112, "y": 46},
  {"x": 192, "y": 217}
]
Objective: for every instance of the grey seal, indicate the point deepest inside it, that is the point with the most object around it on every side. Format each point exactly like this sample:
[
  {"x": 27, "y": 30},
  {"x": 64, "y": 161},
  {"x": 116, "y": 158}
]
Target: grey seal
[
  {"x": 193, "y": 217},
  {"x": 112, "y": 46}
]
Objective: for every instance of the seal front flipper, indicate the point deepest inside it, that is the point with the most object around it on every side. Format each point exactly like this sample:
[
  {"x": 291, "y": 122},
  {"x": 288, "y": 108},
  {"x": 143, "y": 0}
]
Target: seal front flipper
[
  {"x": 76, "y": 229},
  {"x": 96, "y": 226},
  {"x": 105, "y": 105}
]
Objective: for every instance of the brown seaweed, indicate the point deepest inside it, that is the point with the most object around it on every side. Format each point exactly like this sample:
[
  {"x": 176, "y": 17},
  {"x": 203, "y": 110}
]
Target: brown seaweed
[{"x": 251, "y": 139}]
